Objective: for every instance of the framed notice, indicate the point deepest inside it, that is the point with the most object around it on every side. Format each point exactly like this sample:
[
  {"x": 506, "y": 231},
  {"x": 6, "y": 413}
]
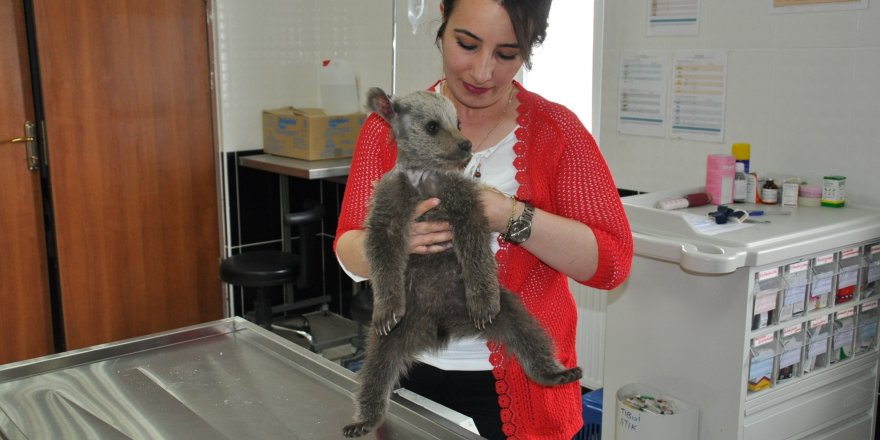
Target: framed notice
[{"x": 817, "y": 5}]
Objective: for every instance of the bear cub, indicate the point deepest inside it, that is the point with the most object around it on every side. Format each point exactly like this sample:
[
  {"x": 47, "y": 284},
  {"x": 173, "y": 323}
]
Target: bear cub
[{"x": 421, "y": 302}]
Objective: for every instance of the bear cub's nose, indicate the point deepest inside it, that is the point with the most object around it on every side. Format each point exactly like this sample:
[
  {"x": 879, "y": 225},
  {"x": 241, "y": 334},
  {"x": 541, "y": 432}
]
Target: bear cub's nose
[{"x": 465, "y": 145}]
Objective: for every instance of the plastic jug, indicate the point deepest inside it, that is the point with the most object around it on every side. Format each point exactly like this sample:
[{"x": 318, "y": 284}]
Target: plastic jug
[{"x": 338, "y": 90}]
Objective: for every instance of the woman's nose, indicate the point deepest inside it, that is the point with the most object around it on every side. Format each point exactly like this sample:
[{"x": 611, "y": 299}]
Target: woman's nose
[{"x": 483, "y": 67}]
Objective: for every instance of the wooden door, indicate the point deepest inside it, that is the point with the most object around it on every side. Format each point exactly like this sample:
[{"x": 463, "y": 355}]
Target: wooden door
[
  {"x": 25, "y": 322},
  {"x": 127, "y": 104}
]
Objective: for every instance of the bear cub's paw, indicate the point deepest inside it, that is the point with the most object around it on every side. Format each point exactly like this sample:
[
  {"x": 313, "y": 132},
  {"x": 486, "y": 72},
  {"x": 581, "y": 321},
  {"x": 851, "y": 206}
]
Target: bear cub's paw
[
  {"x": 483, "y": 308},
  {"x": 386, "y": 316},
  {"x": 357, "y": 429}
]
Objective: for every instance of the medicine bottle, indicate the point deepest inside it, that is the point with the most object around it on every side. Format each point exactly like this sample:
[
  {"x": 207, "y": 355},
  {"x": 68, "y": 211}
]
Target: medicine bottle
[
  {"x": 740, "y": 183},
  {"x": 742, "y": 151},
  {"x": 769, "y": 192}
]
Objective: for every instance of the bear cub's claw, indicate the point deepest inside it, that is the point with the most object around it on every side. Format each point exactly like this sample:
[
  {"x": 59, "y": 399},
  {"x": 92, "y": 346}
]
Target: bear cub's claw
[
  {"x": 384, "y": 323},
  {"x": 483, "y": 309},
  {"x": 356, "y": 429}
]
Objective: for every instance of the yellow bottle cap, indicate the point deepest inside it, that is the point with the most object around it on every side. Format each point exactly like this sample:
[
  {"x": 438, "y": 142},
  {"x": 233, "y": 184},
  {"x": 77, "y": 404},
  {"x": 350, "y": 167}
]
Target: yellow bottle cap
[{"x": 741, "y": 151}]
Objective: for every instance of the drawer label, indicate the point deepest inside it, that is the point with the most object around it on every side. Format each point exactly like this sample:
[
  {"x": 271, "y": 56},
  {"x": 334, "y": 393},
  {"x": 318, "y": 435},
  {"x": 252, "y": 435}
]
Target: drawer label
[
  {"x": 849, "y": 253},
  {"x": 846, "y": 313},
  {"x": 763, "y": 340},
  {"x": 798, "y": 267},
  {"x": 768, "y": 274},
  {"x": 824, "y": 259}
]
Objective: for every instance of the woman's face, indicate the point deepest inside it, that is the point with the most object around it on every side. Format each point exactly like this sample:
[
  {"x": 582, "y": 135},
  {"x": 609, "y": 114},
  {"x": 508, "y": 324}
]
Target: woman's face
[{"x": 480, "y": 53}]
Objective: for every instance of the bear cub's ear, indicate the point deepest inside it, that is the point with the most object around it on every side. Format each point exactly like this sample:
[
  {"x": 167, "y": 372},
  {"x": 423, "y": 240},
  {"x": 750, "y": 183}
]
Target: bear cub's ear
[{"x": 379, "y": 102}]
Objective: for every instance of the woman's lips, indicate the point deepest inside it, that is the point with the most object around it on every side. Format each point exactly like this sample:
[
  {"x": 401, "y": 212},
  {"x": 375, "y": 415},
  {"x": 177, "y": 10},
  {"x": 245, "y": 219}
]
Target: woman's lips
[{"x": 475, "y": 89}]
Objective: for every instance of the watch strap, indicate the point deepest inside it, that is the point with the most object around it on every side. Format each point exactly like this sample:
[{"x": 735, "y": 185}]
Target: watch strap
[{"x": 521, "y": 229}]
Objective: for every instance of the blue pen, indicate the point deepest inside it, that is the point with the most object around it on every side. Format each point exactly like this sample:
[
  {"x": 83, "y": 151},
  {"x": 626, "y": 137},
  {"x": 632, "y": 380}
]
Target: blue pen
[{"x": 758, "y": 213}]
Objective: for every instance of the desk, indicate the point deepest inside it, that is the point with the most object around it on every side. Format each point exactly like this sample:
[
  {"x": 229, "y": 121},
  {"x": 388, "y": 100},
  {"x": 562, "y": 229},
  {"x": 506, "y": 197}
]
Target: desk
[
  {"x": 287, "y": 167},
  {"x": 304, "y": 169}
]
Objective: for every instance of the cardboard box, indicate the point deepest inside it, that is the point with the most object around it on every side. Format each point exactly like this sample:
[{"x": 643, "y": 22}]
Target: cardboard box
[{"x": 310, "y": 134}]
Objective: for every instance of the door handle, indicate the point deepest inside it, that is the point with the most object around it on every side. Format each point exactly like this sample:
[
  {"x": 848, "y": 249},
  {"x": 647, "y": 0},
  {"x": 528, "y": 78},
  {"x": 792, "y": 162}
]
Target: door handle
[{"x": 30, "y": 142}]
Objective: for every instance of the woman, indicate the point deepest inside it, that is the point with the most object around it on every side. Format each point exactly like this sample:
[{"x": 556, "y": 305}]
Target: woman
[{"x": 554, "y": 209}]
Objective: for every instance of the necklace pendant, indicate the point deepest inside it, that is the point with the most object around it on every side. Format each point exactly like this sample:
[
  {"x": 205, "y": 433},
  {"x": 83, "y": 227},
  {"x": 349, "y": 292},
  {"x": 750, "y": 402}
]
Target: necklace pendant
[{"x": 477, "y": 173}]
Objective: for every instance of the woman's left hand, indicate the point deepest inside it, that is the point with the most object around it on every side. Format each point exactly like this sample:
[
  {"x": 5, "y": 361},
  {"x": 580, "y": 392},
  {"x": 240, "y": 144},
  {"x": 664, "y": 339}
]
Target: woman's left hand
[{"x": 497, "y": 206}]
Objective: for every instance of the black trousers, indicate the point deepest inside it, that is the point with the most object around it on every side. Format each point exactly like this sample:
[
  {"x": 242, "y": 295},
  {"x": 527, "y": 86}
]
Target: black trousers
[{"x": 471, "y": 393}]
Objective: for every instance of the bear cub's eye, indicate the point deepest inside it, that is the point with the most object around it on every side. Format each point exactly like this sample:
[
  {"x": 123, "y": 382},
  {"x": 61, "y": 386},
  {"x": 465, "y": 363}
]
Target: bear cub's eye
[{"x": 432, "y": 127}]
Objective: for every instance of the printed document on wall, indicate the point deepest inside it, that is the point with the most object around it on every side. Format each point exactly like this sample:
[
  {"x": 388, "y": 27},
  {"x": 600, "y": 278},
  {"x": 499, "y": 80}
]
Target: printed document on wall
[
  {"x": 673, "y": 17},
  {"x": 817, "y": 5},
  {"x": 642, "y": 87},
  {"x": 698, "y": 91}
]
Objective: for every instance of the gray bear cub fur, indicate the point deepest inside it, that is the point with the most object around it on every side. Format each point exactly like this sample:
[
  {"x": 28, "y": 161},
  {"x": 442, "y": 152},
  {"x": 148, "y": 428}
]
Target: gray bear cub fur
[{"x": 421, "y": 302}]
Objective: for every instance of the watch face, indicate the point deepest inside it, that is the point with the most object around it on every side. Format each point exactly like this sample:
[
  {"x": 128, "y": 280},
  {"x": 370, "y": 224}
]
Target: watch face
[{"x": 519, "y": 232}]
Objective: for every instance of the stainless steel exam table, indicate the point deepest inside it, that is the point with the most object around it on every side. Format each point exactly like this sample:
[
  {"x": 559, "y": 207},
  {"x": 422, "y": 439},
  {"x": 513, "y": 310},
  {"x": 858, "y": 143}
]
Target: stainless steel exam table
[{"x": 228, "y": 379}]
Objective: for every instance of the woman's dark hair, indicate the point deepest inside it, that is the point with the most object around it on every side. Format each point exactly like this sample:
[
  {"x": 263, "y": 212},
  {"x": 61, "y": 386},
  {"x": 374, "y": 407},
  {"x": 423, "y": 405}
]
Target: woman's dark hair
[{"x": 529, "y": 19}]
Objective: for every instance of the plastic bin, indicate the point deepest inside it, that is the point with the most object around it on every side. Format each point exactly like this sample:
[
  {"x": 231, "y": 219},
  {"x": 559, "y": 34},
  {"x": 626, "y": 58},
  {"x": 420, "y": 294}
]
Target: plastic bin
[
  {"x": 592, "y": 429},
  {"x": 634, "y": 424}
]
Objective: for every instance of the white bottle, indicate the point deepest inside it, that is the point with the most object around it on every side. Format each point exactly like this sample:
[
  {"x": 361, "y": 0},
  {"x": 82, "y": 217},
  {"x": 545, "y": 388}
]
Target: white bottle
[
  {"x": 752, "y": 188},
  {"x": 740, "y": 183}
]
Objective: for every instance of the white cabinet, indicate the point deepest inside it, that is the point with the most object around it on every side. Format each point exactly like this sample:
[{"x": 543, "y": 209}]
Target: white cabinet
[{"x": 769, "y": 329}]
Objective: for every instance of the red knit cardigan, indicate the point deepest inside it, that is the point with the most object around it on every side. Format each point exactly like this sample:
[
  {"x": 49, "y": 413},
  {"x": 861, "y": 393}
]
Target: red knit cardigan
[{"x": 560, "y": 170}]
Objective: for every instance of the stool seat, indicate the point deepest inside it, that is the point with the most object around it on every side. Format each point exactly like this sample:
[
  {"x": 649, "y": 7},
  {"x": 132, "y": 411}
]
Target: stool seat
[{"x": 260, "y": 268}]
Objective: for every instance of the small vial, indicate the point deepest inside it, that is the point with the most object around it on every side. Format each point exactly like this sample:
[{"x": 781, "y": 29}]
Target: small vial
[{"x": 769, "y": 192}]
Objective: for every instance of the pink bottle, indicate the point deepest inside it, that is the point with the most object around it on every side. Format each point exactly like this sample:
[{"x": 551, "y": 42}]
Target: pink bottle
[{"x": 720, "y": 171}]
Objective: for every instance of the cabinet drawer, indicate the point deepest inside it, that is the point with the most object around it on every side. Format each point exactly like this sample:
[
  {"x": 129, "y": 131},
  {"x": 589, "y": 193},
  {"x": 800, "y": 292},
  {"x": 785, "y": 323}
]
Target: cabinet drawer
[
  {"x": 854, "y": 430},
  {"x": 818, "y": 405}
]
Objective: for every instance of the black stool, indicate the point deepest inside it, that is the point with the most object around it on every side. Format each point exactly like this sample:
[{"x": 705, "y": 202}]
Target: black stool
[{"x": 262, "y": 269}]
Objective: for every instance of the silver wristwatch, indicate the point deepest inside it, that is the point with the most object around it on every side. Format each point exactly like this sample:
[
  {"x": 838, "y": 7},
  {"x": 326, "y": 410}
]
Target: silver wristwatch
[{"x": 521, "y": 229}]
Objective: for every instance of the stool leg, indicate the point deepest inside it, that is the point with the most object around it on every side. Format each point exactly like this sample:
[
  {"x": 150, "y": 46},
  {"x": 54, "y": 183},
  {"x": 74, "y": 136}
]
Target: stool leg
[{"x": 262, "y": 308}]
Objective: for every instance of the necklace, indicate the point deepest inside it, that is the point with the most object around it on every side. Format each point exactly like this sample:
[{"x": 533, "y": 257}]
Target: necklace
[{"x": 477, "y": 173}]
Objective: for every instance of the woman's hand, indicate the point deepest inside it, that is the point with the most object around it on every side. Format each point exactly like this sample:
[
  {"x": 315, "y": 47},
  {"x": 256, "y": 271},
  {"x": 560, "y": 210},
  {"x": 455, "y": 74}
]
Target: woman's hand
[
  {"x": 428, "y": 237},
  {"x": 497, "y": 206}
]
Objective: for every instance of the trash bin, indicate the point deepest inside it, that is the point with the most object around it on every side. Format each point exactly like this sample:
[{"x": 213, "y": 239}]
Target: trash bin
[
  {"x": 644, "y": 412},
  {"x": 592, "y": 429}
]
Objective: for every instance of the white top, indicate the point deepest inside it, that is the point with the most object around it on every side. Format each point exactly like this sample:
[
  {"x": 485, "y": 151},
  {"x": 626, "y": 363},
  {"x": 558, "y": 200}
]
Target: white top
[{"x": 496, "y": 170}]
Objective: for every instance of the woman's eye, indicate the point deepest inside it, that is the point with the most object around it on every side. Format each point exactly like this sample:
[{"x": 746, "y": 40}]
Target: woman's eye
[
  {"x": 466, "y": 46},
  {"x": 507, "y": 57},
  {"x": 432, "y": 127}
]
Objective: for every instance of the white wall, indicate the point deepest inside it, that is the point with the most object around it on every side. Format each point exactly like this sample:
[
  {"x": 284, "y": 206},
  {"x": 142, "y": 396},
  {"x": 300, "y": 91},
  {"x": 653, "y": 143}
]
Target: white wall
[
  {"x": 803, "y": 89},
  {"x": 267, "y": 54}
]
